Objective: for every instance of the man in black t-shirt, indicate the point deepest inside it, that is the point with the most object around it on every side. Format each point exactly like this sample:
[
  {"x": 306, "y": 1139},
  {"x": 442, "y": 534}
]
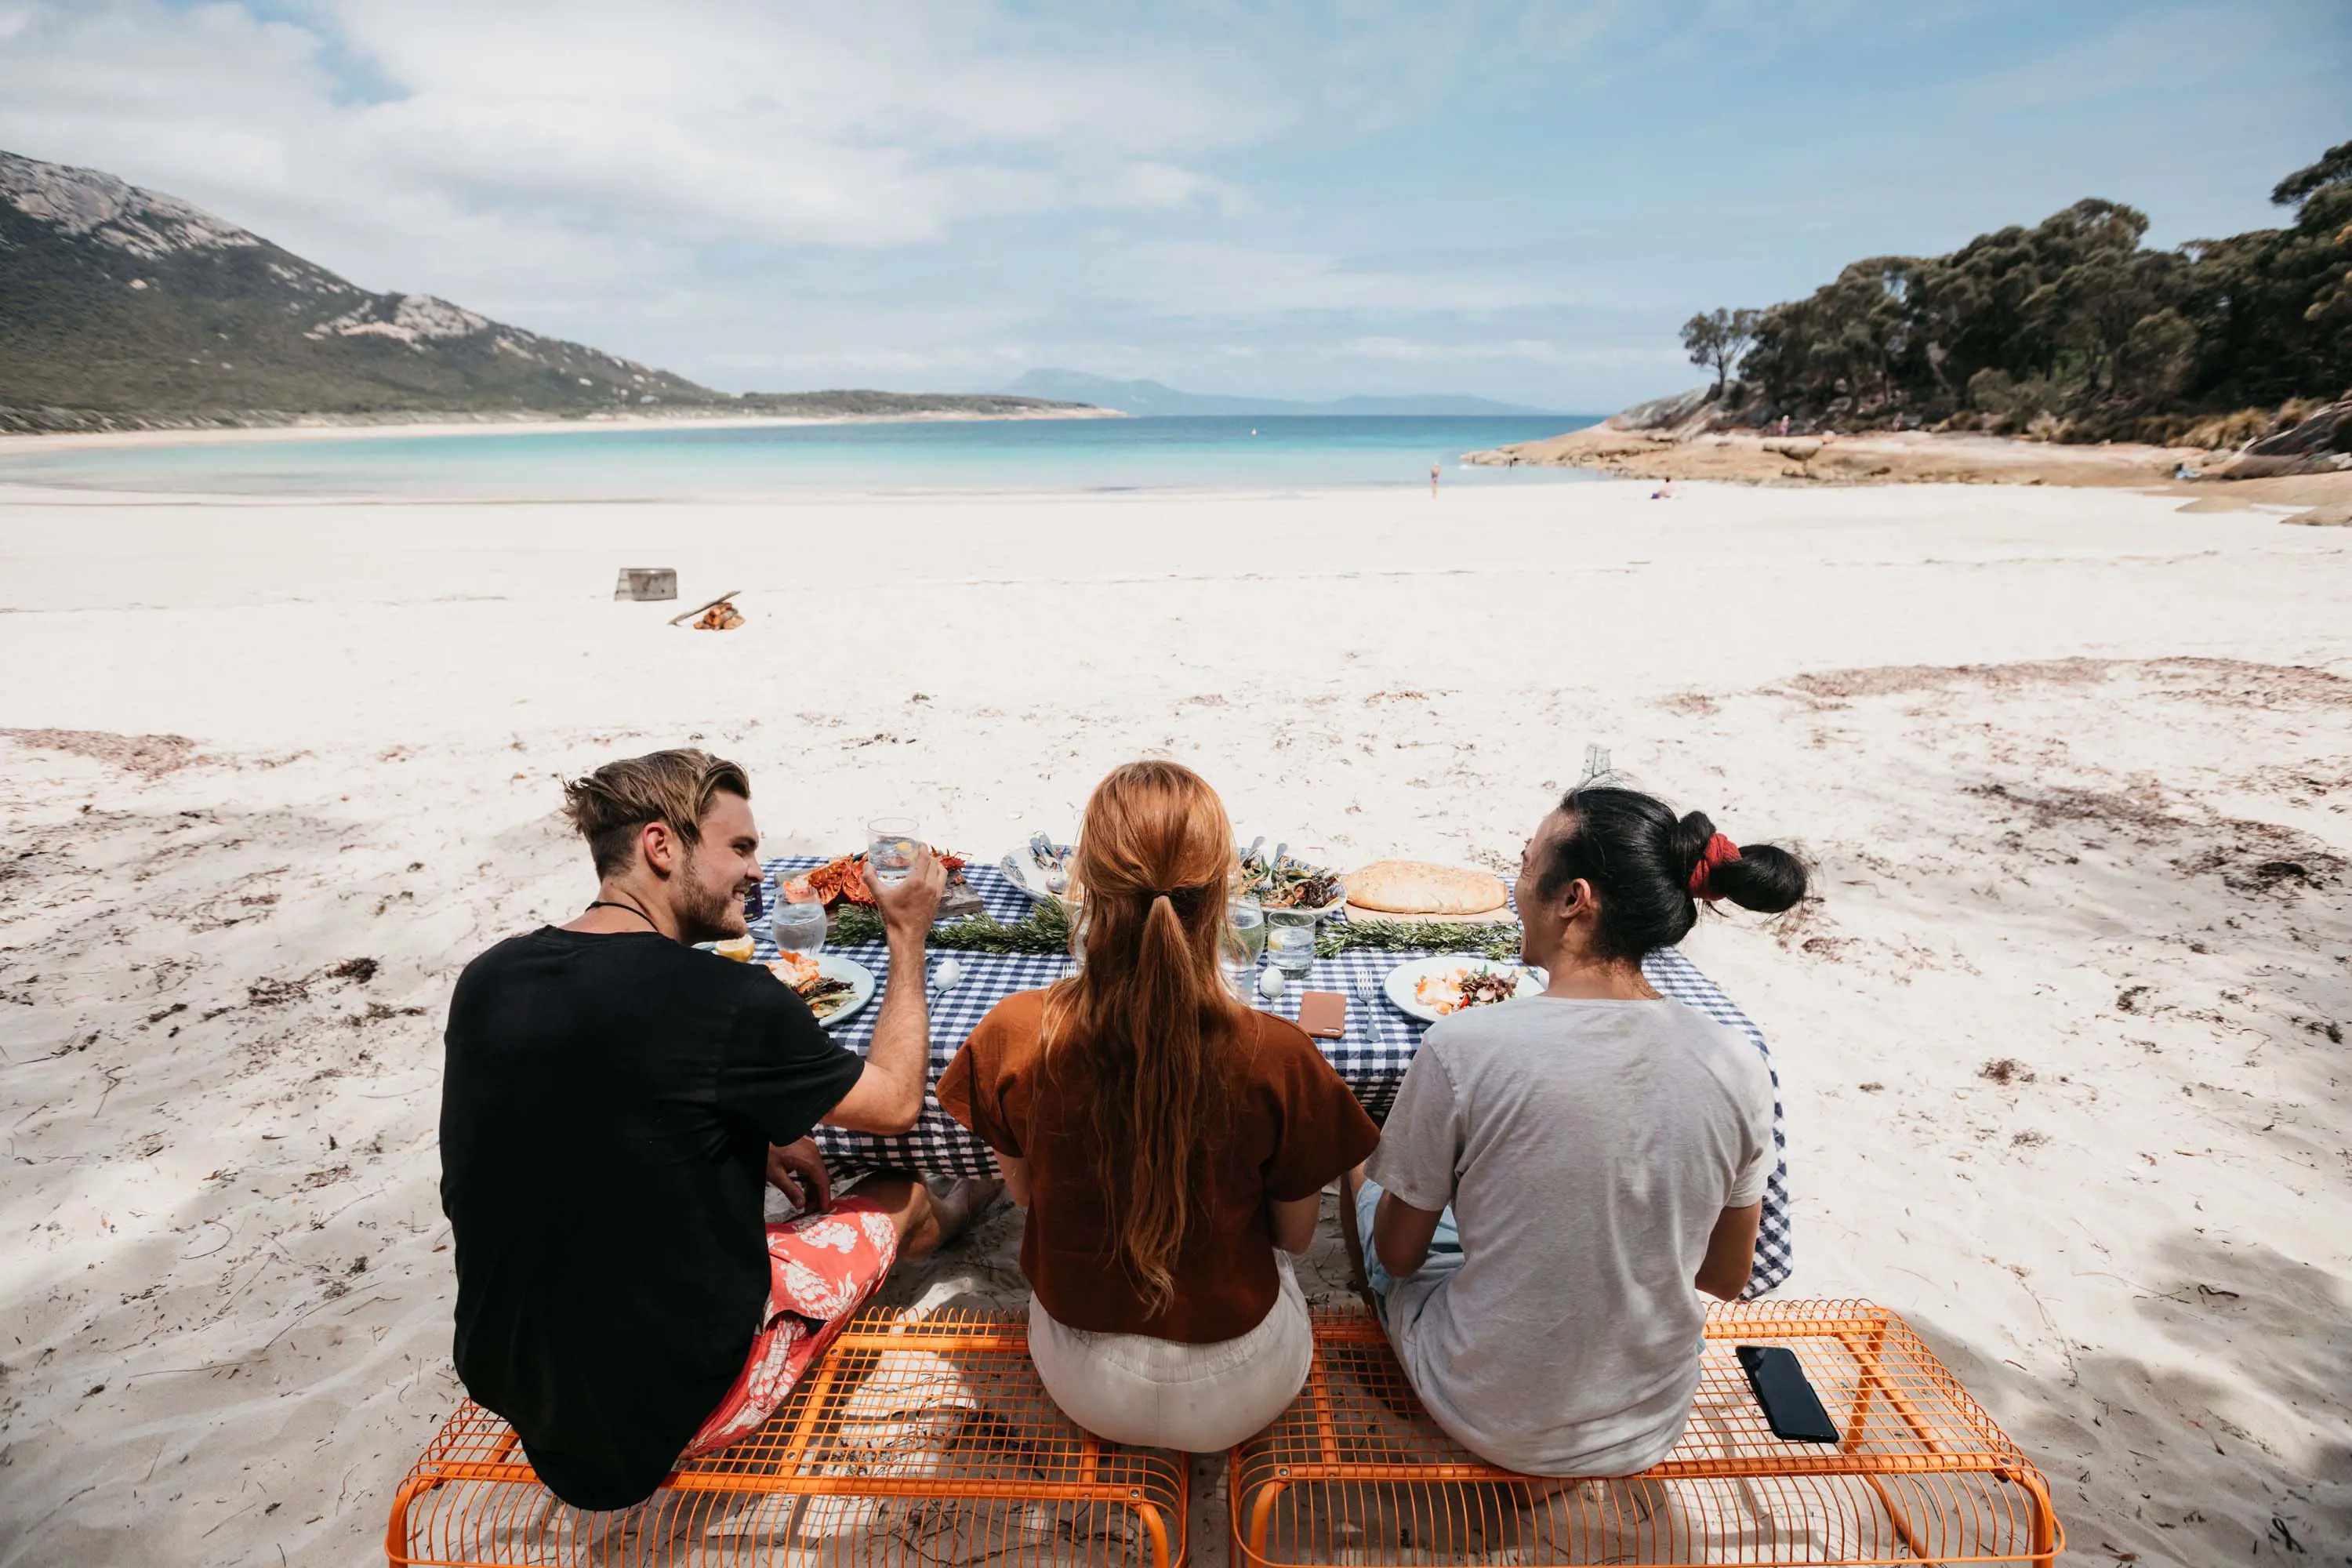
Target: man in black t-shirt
[{"x": 615, "y": 1102}]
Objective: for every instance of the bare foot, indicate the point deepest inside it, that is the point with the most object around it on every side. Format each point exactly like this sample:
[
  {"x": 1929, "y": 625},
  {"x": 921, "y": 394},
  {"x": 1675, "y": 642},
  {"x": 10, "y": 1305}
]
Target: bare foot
[{"x": 956, "y": 1205}]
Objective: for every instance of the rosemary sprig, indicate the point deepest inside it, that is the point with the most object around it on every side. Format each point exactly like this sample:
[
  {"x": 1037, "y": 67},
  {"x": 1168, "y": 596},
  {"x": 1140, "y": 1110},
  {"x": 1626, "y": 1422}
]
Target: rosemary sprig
[
  {"x": 1044, "y": 933},
  {"x": 1488, "y": 941}
]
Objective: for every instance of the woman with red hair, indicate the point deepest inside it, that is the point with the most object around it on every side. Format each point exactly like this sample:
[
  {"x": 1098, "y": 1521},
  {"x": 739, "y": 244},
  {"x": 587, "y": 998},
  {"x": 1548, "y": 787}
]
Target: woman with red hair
[{"x": 1170, "y": 1144}]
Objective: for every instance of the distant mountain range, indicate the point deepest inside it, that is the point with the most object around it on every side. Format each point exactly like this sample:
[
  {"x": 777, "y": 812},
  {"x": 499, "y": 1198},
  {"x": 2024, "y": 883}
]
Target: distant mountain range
[
  {"x": 1145, "y": 398},
  {"x": 126, "y": 308}
]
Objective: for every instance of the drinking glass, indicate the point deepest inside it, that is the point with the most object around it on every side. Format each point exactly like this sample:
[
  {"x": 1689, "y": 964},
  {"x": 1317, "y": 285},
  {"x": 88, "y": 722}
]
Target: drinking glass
[
  {"x": 797, "y": 927},
  {"x": 890, "y": 848},
  {"x": 1290, "y": 941},
  {"x": 1244, "y": 939}
]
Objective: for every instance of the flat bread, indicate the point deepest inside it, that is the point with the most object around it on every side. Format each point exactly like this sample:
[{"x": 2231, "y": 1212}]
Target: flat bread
[
  {"x": 1502, "y": 916},
  {"x": 1419, "y": 887}
]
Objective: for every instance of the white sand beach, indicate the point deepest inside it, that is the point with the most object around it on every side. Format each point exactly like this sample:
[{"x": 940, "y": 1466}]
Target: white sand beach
[{"x": 2062, "y": 1041}]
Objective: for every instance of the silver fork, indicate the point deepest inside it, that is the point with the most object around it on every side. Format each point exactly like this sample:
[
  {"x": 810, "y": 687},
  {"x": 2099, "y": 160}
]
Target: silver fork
[{"x": 1370, "y": 997}]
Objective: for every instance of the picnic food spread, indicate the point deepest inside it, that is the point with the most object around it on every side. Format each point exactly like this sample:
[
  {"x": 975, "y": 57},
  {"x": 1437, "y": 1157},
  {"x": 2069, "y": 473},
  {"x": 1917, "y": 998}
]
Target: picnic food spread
[{"x": 1390, "y": 889}]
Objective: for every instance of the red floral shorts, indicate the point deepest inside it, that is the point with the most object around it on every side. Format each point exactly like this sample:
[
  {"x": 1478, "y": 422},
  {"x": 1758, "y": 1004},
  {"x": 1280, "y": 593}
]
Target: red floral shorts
[{"x": 820, "y": 1268}]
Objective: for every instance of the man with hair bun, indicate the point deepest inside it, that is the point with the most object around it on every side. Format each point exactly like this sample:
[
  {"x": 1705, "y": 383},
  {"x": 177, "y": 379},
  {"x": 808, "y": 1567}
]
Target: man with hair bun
[
  {"x": 615, "y": 1102},
  {"x": 1562, "y": 1175}
]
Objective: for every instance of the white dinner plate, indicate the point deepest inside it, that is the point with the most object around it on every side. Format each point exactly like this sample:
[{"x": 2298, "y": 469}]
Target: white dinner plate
[
  {"x": 832, "y": 966},
  {"x": 1020, "y": 869},
  {"x": 1402, "y": 980}
]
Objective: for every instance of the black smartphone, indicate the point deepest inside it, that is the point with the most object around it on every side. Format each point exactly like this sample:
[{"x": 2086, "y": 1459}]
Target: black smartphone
[{"x": 1791, "y": 1408}]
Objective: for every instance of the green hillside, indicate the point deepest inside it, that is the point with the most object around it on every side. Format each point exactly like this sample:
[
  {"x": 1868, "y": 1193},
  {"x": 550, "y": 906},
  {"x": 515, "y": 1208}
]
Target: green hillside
[{"x": 123, "y": 307}]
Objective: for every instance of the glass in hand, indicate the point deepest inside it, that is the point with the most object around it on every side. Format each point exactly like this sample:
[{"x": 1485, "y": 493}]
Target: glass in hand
[{"x": 890, "y": 845}]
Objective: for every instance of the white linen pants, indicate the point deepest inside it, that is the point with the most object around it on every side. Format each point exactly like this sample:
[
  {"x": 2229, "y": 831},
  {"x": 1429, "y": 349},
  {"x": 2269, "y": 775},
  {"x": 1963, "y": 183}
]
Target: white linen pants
[{"x": 1161, "y": 1394}]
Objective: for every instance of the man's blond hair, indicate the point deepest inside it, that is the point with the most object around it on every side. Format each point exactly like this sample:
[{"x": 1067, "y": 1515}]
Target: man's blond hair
[{"x": 610, "y": 805}]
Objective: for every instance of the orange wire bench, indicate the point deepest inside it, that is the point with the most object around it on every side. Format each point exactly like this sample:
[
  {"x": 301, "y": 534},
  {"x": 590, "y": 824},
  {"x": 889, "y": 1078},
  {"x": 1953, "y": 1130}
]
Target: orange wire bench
[
  {"x": 1357, "y": 1473},
  {"x": 919, "y": 1441}
]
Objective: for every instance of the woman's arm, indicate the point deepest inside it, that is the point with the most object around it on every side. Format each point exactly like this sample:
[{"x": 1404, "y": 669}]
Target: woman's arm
[
  {"x": 1016, "y": 1178},
  {"x": 1294, "y": 1221}
]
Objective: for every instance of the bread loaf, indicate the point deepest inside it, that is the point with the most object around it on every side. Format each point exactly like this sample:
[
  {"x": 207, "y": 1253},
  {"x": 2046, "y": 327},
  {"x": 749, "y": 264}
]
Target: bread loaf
[{"x": 1418, "y": 887}]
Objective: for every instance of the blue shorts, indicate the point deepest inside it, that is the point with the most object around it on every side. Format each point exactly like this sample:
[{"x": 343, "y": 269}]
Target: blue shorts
[{"x": 1444, "y": 1247}]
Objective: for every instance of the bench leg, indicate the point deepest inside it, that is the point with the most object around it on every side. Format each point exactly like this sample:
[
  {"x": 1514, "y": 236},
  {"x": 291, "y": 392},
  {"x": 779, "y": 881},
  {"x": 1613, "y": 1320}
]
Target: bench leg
[
  {"x": 2045, "y": 1518},
  {"x": 1261, "y": 1514},
  {"x": 1157, "y": 1529}
]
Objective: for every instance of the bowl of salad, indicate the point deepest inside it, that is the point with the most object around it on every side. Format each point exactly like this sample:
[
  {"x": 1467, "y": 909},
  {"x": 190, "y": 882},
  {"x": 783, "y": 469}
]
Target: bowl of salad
[{"x": 1281, "y": 881}]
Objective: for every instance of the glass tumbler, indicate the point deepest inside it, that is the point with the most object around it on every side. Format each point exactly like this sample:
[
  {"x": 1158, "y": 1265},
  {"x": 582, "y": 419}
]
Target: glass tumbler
[
  {"x": 797, "y": 927},
  {"x": 890, "y": 845},
  {"x": 1290, "y": 941}
]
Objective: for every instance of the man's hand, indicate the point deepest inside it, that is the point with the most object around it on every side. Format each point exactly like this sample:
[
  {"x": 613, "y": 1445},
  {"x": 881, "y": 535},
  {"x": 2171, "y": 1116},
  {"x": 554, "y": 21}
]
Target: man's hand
[
  {"x": 909, "y": 905},
  {"x": 787, "y": 1162}
]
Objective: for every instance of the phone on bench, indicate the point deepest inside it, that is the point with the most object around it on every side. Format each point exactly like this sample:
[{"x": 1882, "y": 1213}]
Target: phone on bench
[{"x": 1791, "y": 1406}]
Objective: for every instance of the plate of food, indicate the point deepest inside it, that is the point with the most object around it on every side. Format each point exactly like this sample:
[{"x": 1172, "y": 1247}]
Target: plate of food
[
  {"x": 1283, "y": 882},
  {"x": 836, "y": 988},
  {"x": 1431, "y": 988},
  {"x": 1042, "y": 869},
  {"x": 1418, "y": 890},
  {"x": 842, "y": 882}
]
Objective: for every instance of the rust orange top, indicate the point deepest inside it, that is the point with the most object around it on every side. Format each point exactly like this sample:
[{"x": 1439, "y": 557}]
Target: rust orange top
[{"x": 1294, "y": 1128}]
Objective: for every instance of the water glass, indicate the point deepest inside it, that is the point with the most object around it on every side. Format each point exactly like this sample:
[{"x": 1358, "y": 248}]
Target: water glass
[
  {"x": 1243, "y": 941},
  {"x": 797, "y": 927},
  {"x": 890, "y": 848},
  {"x": 1290, "y": 941}
]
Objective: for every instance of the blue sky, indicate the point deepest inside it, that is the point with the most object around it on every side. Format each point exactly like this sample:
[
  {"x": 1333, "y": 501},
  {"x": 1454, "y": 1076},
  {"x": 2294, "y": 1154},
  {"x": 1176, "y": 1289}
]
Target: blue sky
[{"x": 1516, "y": 201}]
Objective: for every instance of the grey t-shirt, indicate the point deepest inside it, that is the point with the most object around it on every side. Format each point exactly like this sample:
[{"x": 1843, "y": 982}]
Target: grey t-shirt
[{"x": 1587, "y": 1149}]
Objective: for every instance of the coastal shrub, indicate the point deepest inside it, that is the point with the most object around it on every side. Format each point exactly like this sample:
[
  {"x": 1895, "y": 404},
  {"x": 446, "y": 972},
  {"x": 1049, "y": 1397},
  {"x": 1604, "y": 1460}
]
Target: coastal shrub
[{"x": 2071, "y": 326}]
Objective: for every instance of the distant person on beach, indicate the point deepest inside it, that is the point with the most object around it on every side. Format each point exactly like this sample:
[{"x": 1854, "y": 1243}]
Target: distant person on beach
[
  {"x": 613, "y": 1106},
  {"x": 1665, "y": 492},
  {"x": 1562, "y": 1175},
  {"x": 1170, "y": 1143},
  {"x": 1432, "y": 478}
]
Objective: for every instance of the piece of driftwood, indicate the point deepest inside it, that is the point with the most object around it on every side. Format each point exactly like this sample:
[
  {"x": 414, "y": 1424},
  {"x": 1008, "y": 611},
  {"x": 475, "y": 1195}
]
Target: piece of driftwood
[
  {"x": 699, "y": 608},
  {"x": 644, "y": 585}
]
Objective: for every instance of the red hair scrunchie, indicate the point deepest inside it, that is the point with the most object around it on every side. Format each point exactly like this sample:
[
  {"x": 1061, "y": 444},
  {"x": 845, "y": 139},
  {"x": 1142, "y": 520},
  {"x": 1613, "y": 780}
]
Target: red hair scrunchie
[{"x": 1720, "y": 850}]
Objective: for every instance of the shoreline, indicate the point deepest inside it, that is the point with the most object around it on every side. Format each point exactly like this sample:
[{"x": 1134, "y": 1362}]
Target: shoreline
[
  {"x": 327, "y": 428},
  {"x": 1910, "y": 458}
]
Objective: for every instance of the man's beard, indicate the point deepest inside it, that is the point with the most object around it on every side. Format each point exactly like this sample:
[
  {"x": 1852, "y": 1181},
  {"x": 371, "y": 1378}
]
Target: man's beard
[{"x": 705, "y": 917}]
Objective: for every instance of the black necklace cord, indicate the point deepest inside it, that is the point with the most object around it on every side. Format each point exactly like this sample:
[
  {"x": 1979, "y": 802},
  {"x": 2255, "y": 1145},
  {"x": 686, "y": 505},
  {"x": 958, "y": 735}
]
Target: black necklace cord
[{"x": 632, "y": 907}]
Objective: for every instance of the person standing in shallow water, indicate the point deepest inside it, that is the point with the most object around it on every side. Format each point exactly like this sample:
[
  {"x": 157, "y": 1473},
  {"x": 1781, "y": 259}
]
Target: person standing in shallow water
[
  {"x": 1432, "y": 481},
  {"x": 613, "y": 1105},
  {"x": 1561, "y": 1175}
]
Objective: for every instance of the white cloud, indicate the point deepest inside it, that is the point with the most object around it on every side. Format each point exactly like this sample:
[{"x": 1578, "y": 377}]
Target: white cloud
[{"x": 505, "y": 126}]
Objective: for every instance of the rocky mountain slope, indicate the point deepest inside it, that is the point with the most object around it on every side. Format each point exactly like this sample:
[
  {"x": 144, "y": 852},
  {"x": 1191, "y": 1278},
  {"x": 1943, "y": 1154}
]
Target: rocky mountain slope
[{"x": 122, "y": 307}]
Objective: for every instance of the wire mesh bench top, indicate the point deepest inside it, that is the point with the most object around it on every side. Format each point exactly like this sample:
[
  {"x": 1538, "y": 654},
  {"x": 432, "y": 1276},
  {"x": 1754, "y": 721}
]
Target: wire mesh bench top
[
  {"x": 1357, "y": 1473},
  {"x": 919, "y": 1441}
]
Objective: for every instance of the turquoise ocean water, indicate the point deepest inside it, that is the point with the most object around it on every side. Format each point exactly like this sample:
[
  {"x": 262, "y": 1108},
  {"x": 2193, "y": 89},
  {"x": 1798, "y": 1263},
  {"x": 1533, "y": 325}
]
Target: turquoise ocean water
[{"x": 654, "y": 462}]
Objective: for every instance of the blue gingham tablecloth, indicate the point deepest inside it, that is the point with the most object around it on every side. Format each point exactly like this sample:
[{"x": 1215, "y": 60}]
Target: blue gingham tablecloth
[{"x": 1370, "y": 1058}]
